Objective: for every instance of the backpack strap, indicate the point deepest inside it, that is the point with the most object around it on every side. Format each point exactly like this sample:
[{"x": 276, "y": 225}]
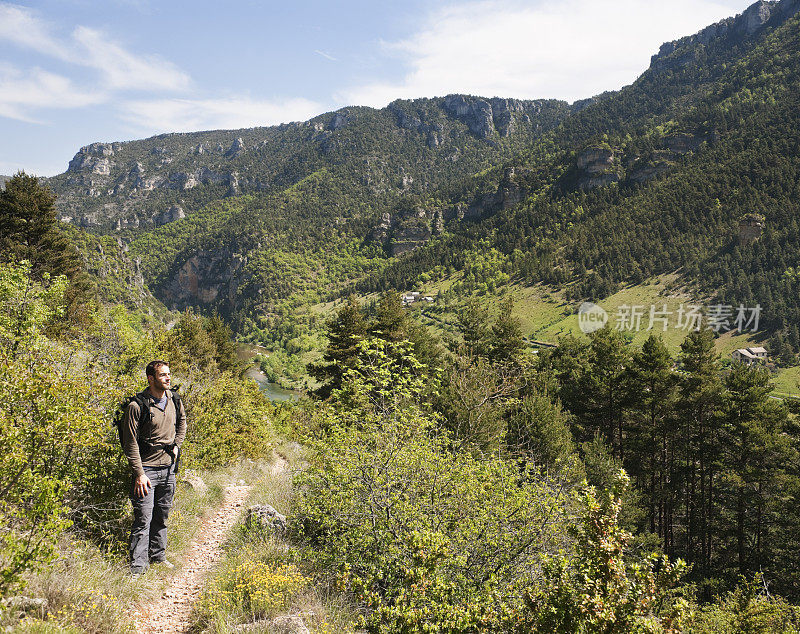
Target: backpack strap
[
  {"x": 144, "y": 416},
  {"x": 175, "y": 452},
  {"x": 144, "y": 409}
]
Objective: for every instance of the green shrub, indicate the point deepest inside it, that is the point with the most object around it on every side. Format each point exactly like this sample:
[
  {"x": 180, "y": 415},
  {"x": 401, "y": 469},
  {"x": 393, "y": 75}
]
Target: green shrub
[
  {"x": 427, "y": 539},
  {"x": 54, "y": 434},
  {"x": 600, "y": 590},
  {"x": 749, "y": 608},
  {"x": 228, "y": 418}
]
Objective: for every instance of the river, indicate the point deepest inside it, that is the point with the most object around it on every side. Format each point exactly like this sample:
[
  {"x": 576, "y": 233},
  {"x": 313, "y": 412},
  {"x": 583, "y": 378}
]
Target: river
[{"x": 274, "y": 392}]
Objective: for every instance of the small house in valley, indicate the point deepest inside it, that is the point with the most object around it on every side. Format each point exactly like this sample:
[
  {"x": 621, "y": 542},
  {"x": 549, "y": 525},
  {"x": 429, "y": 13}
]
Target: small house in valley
[{"x": 750, "y": 355}]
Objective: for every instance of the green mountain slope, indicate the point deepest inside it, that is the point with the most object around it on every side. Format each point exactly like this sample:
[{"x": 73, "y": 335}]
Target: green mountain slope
[
  {"x": 692, "y": 168},
  {"x": 406, "y": 148},
  {"x": 705, "y": 184}
]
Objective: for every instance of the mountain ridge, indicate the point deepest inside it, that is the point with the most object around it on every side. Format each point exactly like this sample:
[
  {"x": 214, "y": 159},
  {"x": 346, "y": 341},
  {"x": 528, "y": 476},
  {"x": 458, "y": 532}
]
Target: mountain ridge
[
  {"x": 654, "y": 177},
  {"x": 108, "y": 184}
]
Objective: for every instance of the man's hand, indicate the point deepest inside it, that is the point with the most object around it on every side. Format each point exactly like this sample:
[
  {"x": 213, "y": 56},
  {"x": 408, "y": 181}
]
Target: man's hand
[{"x": 141, "y": 485}]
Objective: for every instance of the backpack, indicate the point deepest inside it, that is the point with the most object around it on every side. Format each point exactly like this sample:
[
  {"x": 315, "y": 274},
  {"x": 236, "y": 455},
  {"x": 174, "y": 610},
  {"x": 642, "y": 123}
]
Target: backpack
[{"x": 144, "y": 418}]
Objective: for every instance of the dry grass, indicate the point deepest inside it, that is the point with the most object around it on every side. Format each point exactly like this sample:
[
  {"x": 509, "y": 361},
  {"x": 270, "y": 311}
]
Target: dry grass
[
  {"x": 323, "y": 610},
  {"x": 89, "y": 588}
]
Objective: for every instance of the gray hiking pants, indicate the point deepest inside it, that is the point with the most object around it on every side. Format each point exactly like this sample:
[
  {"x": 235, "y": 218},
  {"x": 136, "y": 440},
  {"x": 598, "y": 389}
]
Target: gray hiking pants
[{"x": 149, "y": 531}]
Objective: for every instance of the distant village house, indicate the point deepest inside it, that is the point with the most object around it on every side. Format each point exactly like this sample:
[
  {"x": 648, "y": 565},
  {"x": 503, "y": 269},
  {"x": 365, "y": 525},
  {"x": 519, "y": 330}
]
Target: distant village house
[
  {"x": 414, "y": 296},
  {"x": 750, "y": 355}
]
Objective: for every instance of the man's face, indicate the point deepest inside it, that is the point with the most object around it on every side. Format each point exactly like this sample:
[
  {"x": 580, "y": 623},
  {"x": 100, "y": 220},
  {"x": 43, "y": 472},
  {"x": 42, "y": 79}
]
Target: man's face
[{"x": 161, "y": 380}]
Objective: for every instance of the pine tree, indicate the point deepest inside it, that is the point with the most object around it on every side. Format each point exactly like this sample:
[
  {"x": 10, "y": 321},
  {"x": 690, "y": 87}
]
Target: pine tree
[
  {"x": 29, "y": 228},
  {"x": 391, "y": 321},
  {"x": 506, "y": 342},
  {"x": 345, "y": 331},
  {"x": 651, "y": 453},
  {"x": 474, "y": 322},
  {"x": 539, "y": 431},
  {"x": 755, "y": 453},
  {"x": 603, "y": 387},
  {"x": 700, "y": 397}
]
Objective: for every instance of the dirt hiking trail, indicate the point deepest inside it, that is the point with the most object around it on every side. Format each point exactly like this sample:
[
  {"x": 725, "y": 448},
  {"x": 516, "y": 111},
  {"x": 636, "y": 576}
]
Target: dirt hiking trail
[{"x": 170, "y": 612}]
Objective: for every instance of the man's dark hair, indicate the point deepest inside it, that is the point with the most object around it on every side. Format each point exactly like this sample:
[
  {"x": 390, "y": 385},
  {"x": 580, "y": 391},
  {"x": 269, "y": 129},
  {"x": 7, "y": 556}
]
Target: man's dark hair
[{"x": 151, "y": 368}]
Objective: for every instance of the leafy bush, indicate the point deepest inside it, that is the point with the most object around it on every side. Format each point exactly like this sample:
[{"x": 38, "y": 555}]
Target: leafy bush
[
  {"x": 54, "y": 436},
  {"x": 748, "y": 608},
  {"x": 600, "y": 590},
  {"x": 227, "y": 418},
  {"x": 423, "y": 536}
]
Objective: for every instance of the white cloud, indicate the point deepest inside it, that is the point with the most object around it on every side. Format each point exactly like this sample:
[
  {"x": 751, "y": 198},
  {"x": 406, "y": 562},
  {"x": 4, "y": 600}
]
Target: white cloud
[
  {"x": 187, "y": 115},
  {"x": 21, "y": 93},
  {"x": 567, "y": 50},
  {"x": 20, "y": 26},
  {"x": 326, "y": 55},
  {"x": 126, "y": 71}
]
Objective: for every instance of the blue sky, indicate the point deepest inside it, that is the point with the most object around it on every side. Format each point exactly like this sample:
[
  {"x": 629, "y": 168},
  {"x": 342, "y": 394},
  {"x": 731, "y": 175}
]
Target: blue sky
[{"x": 77, "y": 71}]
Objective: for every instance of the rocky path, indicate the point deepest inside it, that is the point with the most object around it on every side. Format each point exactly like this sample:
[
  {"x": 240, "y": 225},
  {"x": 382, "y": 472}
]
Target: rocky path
[{"x": 170, "y": 613}]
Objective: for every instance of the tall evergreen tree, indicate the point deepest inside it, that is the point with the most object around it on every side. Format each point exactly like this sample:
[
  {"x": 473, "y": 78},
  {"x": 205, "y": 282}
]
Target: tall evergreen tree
[
  {"x": 474, "y": 322},
  {"x": 754, "y": 460},
  {"x": 700, "y": 400},
  {"x": 603, "y": 388},
  {"x": 393, "y": 323},
  {"x": 345, "y": 331},
  {"x": 651, "y": 442},
  {"x": 506, "y": 343},
  {"x": 29, "y": 228},
  {"x": 538, "y": 430}
]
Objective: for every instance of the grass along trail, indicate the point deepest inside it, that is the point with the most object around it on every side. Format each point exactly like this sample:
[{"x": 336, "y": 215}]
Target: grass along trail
[{"x": 171, "y": 612}]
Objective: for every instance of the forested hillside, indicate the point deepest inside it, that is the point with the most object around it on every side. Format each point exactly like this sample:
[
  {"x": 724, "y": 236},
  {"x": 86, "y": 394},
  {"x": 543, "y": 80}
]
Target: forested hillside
[
  {"x": 691, "y": 169},
  {"x": 666, "y": 175}
]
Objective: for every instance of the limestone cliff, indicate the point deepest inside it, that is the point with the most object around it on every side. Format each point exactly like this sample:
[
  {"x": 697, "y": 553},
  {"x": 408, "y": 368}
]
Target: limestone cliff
[{"x": 678, "y": 53}]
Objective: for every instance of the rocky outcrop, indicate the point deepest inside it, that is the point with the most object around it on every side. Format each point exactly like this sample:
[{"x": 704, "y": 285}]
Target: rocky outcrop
[
  {"x": 503, "y": 111},
  {"x": 206, "y": 277},
  {"x": 409, "y": 230},
  {"x": 643, "y": 169},
  {"x": 380, "y": 234},
  {"x": 510, "y": 191},
  {"x": 194, "y": 482},
  {"x": 236, "y": 149},
  {"x": 410, "y": 233},
  {"x": 21, "y": 606},
  {"x": 746, "y": 24},
  {"x": 750, "y": 229},
  {"x": 339, "y": 120},
  {"x": 175, "y": 212},
  {"x": 233, "y": 185},
  {"x": 485, "y": 118},
  {"x": 434, "y": 131},
  {"x": 476, "y": 113},
  {"x": 598, "y": 166},
  {"x": 266, "y": 519}
]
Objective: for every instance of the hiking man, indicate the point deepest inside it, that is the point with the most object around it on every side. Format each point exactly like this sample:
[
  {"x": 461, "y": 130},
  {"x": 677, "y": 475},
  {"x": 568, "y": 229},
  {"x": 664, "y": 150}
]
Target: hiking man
[{"x": 151, "y": 440}]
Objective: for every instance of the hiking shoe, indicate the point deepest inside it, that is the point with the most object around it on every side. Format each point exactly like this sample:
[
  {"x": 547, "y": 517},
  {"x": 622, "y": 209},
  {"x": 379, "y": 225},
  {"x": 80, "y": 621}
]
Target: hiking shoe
[
  {"x": 137, "y": 572},
  {"x": 164, "y": 563}
]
